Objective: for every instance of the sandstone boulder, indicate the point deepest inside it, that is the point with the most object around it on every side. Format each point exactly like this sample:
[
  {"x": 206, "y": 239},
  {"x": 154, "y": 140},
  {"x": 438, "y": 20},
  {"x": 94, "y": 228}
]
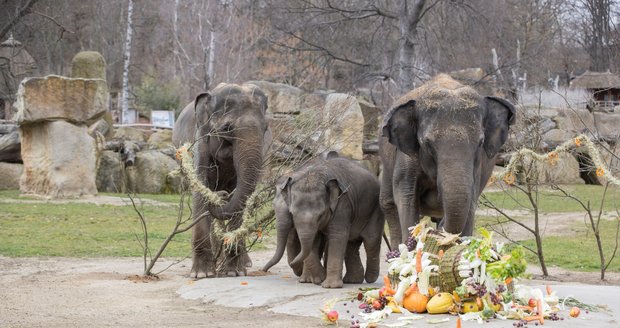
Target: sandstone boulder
[
  {"x": 607, "y": 126},
  {"x": 556, "y": 137},
  {"x": 10, "y": 145},
  {"x": 88, "y": 65},
  {"x": 372, "y": 118},
  {"x": 345, "y": 125},
  {"x": 9, "y": 175},
  {"x": 111, "y": 173},
  {"x": 129, "y": 133},
  {"x": 563, "y": 171},
  {"x": 80, "y": 101},
  {"x": 150, "y": 173},
  {"x": 575, "y": 120},
  {"x": 59, "y": 160},
  {"x": 161, "y": 139}
]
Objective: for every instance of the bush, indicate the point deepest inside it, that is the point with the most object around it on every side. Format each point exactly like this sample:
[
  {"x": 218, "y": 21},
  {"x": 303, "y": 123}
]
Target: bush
[{"x": 153, "y": 94}]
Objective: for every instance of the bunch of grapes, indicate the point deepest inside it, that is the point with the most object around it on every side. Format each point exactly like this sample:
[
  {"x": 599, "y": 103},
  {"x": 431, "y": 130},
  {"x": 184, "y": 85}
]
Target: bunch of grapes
[
  {"x": 355, "y": 324},
  {"x": 495, "y": 299},
  {"x": 392, "y": 254},
  {"x": 555, "y": 317},
  {"x": 501, "y": 289},
  {"x": 480, "y": 289},
  {"x": 411, "y": 243},
  {"x": 520, "y": 323}
]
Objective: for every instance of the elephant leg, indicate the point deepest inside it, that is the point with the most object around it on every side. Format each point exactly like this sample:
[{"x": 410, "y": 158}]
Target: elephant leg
[
  {"x": 372, "y": 244},
  {"x": 313, "y": 270},
  {"x": 337, "y": 246},
  {"x": 406, "y": 203},
  {"x": 353, "y": 263},
  {"x": 203, "y": 263},
  {"x": 234, "y": 256},
  {"x": 390, "y": 212},
  {"x": 293, "y": 248}
]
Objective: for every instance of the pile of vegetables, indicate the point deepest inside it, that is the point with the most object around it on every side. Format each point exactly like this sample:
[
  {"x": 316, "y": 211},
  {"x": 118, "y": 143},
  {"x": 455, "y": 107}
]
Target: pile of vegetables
[{"x": 487, "y": 272}]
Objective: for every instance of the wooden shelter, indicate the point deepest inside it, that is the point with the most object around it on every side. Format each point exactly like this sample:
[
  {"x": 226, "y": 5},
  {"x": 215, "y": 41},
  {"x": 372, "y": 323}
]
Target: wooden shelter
[{"x": 605, "y": 88}]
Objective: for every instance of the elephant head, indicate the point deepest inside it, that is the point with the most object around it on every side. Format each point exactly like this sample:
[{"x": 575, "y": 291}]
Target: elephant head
[
  {"x": 453, "y": 134},
  {"x": 231, "y": 131},
  {"x": 306, "y": 203}
]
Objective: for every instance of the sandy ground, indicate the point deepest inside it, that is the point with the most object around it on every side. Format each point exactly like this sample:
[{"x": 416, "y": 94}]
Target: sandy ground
[
  {"x": 68, "y": 292},
  {"x": 107, "y": 292}
]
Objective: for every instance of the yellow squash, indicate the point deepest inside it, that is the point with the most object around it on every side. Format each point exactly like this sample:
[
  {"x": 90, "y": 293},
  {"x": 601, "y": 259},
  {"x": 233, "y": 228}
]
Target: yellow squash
[{"x": 440, "y": 303}]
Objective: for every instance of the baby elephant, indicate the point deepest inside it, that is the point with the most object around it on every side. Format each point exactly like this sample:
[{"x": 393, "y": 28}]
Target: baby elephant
[{"x": 333, "y": 206}]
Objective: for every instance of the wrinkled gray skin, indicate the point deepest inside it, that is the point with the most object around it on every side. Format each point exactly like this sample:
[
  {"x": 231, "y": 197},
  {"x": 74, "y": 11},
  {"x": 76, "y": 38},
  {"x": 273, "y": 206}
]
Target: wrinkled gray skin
[
  {"x": 337, "y": 200},
  {"x": 438, "y": 151},
  {"x": 231, "y": 134}
]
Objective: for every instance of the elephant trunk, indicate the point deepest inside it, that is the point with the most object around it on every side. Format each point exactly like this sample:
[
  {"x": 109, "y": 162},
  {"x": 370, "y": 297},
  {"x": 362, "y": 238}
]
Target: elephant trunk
[
  {"x": 307, "y": 234},
  {"x": 247, "y": 160},
  {"x": 284, "y": 227},
  {"x": 456, "y": 187}
]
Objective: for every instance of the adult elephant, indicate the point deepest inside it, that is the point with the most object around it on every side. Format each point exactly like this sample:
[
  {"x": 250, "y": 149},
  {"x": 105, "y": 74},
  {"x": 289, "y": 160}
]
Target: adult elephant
[
  {"x": 231, "y": 135},
  {"x": 330, "y": 203},
  {"x": 438, "y": 150}
]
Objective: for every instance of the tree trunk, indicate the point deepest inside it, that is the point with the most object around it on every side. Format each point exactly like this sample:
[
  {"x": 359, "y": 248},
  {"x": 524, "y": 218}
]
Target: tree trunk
[
  {"x": 126, "y": 61},
  {"x": 408, "y": 19}
]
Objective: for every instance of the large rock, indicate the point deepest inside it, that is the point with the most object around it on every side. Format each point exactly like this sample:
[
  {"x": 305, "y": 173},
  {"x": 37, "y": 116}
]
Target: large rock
[
  {"x": 574, "y": 120},
  {"x": 10, "y": 145},
  {"x": 59, "y": 160},
  {"x": 88, "y": 65},
  {"x": 129, "y": 133},
  {"x": 556, "y": 137},
  {"x": 372, "y": 118},
  {"x": 608, "y": 126},
  {"x": 161, "y": 139},
  {"x": 150, "y": 173},
  {"x": 9, "y": 175},
  {"x": 80, "y": 101},
  {"x": 565, "y": 170},
  {"x": 287, "y": 99},
  {"x": 111, "y": 173},
  {"x": 345, "y": 125}
]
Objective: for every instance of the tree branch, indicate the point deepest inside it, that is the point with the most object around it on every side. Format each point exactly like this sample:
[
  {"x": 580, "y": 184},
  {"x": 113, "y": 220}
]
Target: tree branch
[{"x": 25, "y": 10}]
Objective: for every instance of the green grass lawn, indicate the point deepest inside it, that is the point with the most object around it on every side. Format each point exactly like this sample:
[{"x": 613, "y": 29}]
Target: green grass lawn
[
  {"x": 87, "y": 230},
  {"x": 554, "y": 201},
  {"x": 579, "y": 252},
  {"x": 90, "y": 230}
]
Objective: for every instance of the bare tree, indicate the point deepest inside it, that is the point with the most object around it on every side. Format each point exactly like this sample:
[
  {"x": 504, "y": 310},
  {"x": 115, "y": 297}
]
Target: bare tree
[{"x": 597, "y": 31}]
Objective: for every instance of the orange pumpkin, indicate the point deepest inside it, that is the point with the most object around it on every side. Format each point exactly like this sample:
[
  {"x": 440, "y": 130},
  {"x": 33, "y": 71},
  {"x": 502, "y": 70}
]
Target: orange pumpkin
[{"x": 414, "y": 301}]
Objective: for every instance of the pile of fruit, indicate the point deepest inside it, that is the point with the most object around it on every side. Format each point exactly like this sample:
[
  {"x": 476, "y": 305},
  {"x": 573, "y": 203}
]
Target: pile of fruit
[{"x": 474, "y": 278}]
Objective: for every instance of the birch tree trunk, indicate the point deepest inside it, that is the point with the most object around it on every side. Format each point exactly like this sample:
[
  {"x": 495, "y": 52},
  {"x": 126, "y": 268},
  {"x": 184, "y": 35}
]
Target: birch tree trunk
[
  {"x": 409, "y": 16},
  {"x": 126, "y": 60}
]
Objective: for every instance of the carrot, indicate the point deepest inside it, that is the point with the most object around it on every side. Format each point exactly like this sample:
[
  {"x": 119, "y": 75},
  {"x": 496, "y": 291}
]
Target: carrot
[
  {"x": 418, "y": 261},
  {"x": 549, "y": 290},
  {"x": 388, "y": 286},
  {"x": 539, "y": 315},
  {"x": 479, "y": 302},
  {"x": 411, "y": 289},
  {"x": 440, "y": 254},
  {"x": 458, "y": 322},
  {"x": 508, "y": 280}
]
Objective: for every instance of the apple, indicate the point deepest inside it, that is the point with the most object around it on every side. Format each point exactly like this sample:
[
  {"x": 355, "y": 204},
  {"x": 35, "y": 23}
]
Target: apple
[
  {"x": 332, "y": 316},
  {"x": 574, "y": 312},
  {"x": 531, "y": 303},
  {"x": 377, "y": 305}
]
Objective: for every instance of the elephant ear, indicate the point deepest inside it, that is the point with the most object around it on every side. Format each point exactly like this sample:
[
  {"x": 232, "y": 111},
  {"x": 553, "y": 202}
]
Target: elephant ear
[
  {"x": 500, "y": 115},
  {"x": 399, "y": 127},
  {"x": 283, "y": 187},
  {"x": 200, "y": 106},
  {"x": 334, "y": 190}
]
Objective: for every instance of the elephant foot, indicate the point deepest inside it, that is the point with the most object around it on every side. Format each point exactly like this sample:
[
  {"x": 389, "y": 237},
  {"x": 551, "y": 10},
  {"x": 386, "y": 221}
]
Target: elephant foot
[
  {"x": 234, "y": 266},
  {"x": 371, "y": 277},
  {"x": 316, "y": 279},
  {"x": 353, "y": 278},
  {"x": 332, "y": 283},
  {"x": 247, "y": 261},
  {"x": 202, "y": 267}
]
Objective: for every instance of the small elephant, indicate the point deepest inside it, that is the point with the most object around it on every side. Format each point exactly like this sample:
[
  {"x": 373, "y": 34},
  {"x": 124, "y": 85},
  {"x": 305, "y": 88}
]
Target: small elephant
[
  {"x": 338, "y": 200},
  {"x": 438, "y": 150},
  {"x": 231, "y": 135}
]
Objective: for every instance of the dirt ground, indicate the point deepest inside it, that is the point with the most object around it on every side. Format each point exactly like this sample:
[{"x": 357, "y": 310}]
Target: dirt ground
[
  {"x": 106, "y": 292},
  {"x": 68, "y": 292}
]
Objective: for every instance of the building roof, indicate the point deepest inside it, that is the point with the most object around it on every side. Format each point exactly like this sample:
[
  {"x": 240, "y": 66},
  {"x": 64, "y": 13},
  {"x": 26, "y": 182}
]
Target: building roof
[{"x": 596, "y": 80}]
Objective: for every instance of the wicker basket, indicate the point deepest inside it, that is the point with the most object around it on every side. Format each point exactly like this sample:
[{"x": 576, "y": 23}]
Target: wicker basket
[
  {"x": 448, "y": 268},
  {"x": 432, "y": 247}
]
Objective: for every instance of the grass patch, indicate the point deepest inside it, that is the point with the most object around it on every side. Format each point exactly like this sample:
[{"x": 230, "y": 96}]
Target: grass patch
[
  {"x": 86, "y": 230},
  {"x": 579, "y": 252},
  {"x": 554, "y": 201}
]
